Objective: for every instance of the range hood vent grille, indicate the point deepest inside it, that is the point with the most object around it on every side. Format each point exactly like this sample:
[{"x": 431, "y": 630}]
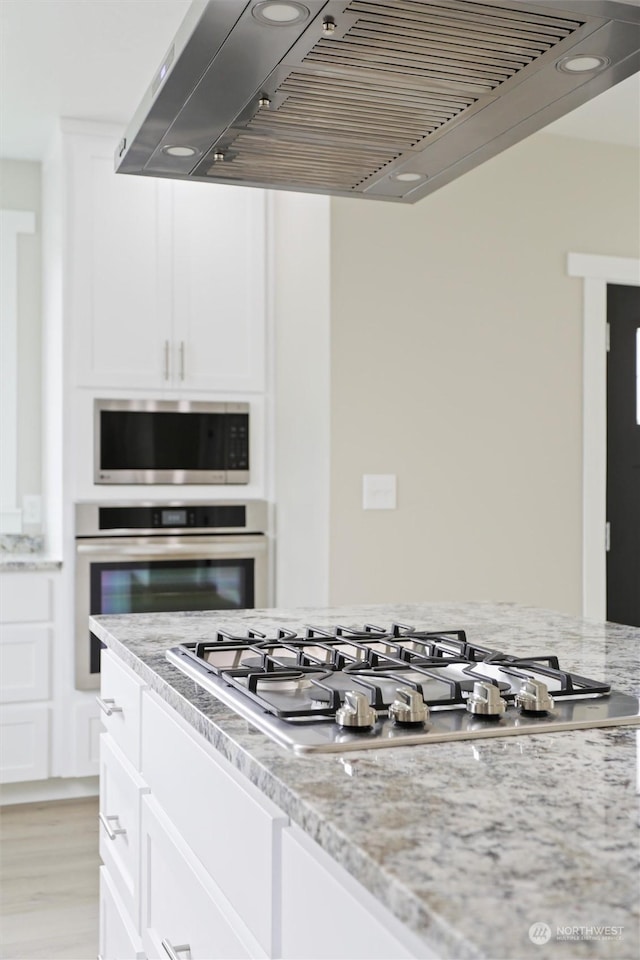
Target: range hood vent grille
[
  {"x": 285, "y": 160},
  {"x": 386, "y": 99},
  {"x": 396, "y": 76}
]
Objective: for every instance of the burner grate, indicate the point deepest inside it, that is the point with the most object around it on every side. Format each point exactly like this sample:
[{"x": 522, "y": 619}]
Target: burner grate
[
  {"x": 305, "y": 675},
  {"x": 290, "y": 684}
]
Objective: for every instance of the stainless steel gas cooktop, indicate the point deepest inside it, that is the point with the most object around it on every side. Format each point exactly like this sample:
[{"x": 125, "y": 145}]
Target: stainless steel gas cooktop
[{"x": 318, "y": 690}]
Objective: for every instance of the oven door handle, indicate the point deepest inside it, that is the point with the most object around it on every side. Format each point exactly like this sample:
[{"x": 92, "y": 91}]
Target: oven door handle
[{"x": 222, "y": 547}]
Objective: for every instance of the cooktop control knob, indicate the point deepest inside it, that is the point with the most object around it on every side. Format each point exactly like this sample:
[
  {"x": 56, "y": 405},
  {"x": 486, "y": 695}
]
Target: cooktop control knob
[
  {"x": 409, "y": 708},
  {"x": 485, "y": 701},
  {"x": 534, "y": 697},
  {"x": 356, "y": 711}
]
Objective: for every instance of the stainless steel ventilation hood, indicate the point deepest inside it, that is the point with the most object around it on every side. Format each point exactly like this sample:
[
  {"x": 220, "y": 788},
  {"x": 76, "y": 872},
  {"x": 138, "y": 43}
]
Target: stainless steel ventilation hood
[{"x": 382, "y": 99}]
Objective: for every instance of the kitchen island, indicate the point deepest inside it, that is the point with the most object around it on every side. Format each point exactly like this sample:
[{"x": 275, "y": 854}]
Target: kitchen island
[{"x": 471, "y": 847}]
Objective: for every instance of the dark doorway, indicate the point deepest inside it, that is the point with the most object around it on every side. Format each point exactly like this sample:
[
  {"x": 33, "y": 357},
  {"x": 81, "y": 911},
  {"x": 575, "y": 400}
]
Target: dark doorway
[{"x": 623, "y": 455}]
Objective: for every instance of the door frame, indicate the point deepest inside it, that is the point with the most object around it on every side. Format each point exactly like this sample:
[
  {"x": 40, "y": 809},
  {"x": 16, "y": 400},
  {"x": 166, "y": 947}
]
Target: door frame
[{"x": 596, "y": 272}]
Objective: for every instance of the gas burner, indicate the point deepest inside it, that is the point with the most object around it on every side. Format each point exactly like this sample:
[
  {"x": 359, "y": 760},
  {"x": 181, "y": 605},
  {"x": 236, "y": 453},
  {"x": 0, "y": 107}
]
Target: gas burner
[
  {"x": 283, "y": 681},
  {"x": 319, "y": 689}
]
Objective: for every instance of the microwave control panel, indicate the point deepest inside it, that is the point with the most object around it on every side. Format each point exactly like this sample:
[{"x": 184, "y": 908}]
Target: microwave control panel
[{"x": 237, "y": 441}]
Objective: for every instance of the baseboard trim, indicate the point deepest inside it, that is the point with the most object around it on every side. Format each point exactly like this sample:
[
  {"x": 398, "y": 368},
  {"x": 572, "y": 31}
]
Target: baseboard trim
[{"x": 57, "y": 788}]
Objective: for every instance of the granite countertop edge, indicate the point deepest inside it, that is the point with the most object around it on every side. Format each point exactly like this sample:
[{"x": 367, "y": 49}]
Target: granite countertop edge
[{"x": 32, "y": 562}]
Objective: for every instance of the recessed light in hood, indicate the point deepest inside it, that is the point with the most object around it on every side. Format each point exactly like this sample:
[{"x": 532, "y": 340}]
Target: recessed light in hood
[
  {"x": 429, "y": 88},
  {"x": 584, "y": 63},
  {"x": 178, "y": 151},
  {"x": 276, "y": 13},
  {"x": 408, "y": 177}
]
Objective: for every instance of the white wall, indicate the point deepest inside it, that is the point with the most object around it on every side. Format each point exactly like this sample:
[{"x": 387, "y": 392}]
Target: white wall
[
  {"x": 20, "y": 190},
  {"x": 456, "y": 364},
  {"x": 299, "y": 242}
]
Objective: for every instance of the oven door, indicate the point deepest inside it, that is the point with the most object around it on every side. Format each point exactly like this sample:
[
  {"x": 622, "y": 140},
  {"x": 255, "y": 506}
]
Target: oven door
[{"x": 160, "y": 574}]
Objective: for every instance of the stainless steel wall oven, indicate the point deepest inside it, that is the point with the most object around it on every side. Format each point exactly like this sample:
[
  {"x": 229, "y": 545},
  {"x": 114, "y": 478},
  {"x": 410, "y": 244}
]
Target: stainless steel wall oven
[{"x": 148, "y": 557}]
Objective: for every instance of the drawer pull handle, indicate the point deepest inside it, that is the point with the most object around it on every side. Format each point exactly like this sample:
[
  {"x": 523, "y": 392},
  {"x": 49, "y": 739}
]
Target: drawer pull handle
[
  {"x": 112, "y": 832},
  {"x": 108, "y": 705},
  {"x": 173, "y": 952}
]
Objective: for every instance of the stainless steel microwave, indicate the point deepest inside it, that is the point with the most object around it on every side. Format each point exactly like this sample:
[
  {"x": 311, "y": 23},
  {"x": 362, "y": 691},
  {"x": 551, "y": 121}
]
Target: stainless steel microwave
[{"x": 167, "y": 441}]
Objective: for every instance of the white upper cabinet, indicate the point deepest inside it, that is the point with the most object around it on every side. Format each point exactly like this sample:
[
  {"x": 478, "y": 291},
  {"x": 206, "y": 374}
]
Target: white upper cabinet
[
  {"x": 167, "y": 279},
  {"x": 218, "y": 286},
  {"x": 118, "y": 284}
]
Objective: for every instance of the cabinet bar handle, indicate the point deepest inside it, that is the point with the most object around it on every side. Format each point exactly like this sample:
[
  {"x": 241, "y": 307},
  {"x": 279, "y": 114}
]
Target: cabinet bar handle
[
  {"x": 166, "y": 359},
  {"x": 108, "y": 705},
  {"x": 173, "y": 952},
  {"x": 112, "y": 832},
  {"x": 182, "y": 359}
]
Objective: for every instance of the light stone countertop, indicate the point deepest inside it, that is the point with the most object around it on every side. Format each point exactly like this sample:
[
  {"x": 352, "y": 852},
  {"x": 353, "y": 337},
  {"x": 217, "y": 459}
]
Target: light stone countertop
[
  {"x": 20, "y": 552},
  {"x": 468, "y": 843},
  {"x": 27, "y": 563}
]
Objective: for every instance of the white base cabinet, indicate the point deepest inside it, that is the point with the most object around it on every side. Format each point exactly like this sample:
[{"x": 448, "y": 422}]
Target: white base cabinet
[
  {"x": 26, "y": 638},
  {"x": 24, "y": 742},
  {"x": 118, "y": 937},
  {"x": 230, "y": 826},
  {"x": 121, "y": 792},
  {"x": 313, "y": 886},
  {"x": 182, "y": 910},
  {"x": 201, "y": 865}
]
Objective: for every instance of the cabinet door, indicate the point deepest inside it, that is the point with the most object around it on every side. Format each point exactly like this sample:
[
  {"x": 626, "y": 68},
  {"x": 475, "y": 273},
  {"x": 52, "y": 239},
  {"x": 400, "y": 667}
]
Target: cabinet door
[
  {"x": 25, "y": 598},
  {"x": 120, "y": 791},
  {"x": 177, "y": 908},
  {"x": 198, "y": 790},
  {"x": 120, "y": 282},
  {"x": 219, "y": 287},
  {"x": 24, "y": 742},
  {"x": 24, "y": 662},
  {"x": 360, "y": 928}
]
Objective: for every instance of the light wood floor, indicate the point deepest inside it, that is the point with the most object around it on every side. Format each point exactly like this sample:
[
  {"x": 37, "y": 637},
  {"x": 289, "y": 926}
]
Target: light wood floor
[{"x": 49, "y": 880}]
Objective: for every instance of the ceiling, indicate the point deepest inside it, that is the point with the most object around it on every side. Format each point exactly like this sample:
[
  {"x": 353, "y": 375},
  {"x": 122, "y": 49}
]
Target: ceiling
[{"x": 94, "y": 59}]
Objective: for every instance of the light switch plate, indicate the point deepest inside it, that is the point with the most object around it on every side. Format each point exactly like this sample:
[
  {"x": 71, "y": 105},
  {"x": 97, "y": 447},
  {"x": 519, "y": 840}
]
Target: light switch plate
[{"x": 379, "y": 491}]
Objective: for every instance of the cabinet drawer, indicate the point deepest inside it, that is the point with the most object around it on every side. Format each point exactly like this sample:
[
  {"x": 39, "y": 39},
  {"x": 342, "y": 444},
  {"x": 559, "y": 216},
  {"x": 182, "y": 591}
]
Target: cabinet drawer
[
  {"x": 177, "y": 906},
  {"x": 24, "y": 743},
  {"x": 120, "y": 693},
  {"x": 25, "y": 598},
  {"x": 359, "y": 927},
  {"x": 228, "y": 824},
  {"x": 24, "y": 662},
  {"x": 118, "y": 939},
  {"x": 120, "y": 792}
]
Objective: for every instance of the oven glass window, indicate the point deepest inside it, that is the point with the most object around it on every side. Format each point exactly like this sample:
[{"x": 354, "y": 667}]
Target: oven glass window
[{"x": 171, "y": 585}]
